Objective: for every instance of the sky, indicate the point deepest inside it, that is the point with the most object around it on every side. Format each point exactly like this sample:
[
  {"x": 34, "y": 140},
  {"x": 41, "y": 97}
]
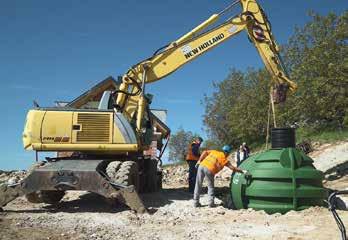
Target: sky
[{"x": 55, "y": 50}]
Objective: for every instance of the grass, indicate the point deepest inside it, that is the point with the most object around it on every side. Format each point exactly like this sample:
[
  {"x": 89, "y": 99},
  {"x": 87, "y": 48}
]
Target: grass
[
  {"x": 303, "y": 134},
  {"x": 322, "y": 136}
]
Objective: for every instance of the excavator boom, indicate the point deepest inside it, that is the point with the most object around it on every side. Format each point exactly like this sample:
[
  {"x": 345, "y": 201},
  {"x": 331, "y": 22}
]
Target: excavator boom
[{"x": 252, "y": 19}]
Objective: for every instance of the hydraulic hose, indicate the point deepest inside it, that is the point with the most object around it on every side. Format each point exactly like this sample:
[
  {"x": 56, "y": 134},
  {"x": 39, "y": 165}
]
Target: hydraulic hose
[
  {"x": 332, "y": 202},
  {"x": 128, "y": 94},
  {"x": 160, "y": 50}
]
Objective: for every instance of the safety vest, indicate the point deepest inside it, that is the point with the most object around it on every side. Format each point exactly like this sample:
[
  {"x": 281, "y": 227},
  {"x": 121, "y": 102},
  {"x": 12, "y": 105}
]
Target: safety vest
[
  {"x": 215, "y": 161},
  {"x": 190, "y": 156}
]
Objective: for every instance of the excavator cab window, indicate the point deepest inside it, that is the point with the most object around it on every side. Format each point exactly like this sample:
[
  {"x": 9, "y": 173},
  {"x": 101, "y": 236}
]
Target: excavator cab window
[{"x": 106, "y": 101}]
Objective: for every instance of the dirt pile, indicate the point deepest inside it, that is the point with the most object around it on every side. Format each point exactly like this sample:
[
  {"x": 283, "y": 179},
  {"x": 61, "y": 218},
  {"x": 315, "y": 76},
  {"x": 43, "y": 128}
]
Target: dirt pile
[
  {"x": 173, "y": 175},
  {"x": 178, "y": 175},
  {"x": 11, "y": 175},
  {"x": 330, "y": 158}
]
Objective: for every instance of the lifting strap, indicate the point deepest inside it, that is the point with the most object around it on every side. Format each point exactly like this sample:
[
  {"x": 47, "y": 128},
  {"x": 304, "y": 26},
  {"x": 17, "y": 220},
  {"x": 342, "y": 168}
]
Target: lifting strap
[{"x": 270, "y": 107}]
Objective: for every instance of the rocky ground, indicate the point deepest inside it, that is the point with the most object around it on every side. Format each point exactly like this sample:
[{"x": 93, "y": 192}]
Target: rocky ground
[{"x": 83, "y": 215}]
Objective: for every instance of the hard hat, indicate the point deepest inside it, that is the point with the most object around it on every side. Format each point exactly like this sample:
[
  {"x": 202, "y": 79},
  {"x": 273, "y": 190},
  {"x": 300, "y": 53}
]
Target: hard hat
[{"x": 226, "y": 149}]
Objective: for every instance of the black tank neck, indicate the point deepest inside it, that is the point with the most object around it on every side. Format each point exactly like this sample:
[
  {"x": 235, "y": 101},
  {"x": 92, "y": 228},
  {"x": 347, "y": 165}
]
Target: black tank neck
[{"x": 283, "y": 138}]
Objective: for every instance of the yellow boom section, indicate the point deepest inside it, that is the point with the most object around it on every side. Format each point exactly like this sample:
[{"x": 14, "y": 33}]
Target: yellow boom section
[
  {"x": 170, "y": 60},
  {"x": 193, "y": 44}
]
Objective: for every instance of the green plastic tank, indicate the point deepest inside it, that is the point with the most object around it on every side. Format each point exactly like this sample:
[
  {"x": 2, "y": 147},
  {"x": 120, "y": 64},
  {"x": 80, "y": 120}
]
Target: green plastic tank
[{"x": 281, "y": 179}]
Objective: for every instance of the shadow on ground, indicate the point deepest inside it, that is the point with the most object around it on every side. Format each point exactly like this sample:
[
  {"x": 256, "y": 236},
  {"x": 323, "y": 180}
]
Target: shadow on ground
[{"x": 337, "y": 172}]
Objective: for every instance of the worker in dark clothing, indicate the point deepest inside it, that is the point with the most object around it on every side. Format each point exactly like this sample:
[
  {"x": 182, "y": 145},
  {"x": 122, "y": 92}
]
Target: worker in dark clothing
[
  {"x": 241, "y": 155},
  {"x": 192, "y": 157},
  {"x": 246, "y": 150}
]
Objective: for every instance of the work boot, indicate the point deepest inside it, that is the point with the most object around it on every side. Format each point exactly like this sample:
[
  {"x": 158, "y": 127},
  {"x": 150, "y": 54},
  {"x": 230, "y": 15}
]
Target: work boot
[{"x": 196, "y": 204}]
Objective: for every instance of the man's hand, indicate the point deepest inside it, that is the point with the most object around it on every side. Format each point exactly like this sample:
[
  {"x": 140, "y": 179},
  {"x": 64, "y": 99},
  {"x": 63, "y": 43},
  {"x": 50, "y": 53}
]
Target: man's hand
[
  {"x": 247, "y": 174},
  {"x": 197, "y": 164}
]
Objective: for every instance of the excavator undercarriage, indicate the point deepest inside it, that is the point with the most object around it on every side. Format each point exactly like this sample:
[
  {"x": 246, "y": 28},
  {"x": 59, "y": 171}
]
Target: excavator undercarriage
[{"x": 47, "y": 182}]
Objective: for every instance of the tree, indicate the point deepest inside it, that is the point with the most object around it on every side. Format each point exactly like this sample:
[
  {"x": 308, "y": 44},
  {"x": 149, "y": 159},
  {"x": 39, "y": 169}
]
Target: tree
[
  {"x": 237, "y": 110},
  {"x": 317, "y": 56},
  {"x": 178, "y": 144}
]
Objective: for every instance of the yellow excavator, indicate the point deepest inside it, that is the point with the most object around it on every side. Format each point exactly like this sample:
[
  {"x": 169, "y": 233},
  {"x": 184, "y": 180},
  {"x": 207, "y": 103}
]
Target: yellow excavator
[{"x": 108, "y": 143}]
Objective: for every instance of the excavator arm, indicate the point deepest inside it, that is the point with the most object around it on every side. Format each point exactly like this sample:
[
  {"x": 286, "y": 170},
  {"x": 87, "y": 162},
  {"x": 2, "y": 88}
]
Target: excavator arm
[{"x": 131, "y": 98}]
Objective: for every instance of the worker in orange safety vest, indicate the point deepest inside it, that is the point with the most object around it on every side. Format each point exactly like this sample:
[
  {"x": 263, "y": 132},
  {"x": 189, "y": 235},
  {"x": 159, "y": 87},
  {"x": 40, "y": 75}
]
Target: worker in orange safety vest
[
  {"x": 210, "y": 163},
  {"x": 192, "y": 157}
]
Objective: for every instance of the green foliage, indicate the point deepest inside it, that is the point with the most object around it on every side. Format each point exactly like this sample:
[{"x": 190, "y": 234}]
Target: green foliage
[
  {"x": 325, "y": 135},
  {"x": 322, "y": 136},
  {"x": 236, "y": 111},
  {"x": 317, "y": 57},
  {"x": 179, "y": 143},
  {"x": 210, "y": 144}
]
